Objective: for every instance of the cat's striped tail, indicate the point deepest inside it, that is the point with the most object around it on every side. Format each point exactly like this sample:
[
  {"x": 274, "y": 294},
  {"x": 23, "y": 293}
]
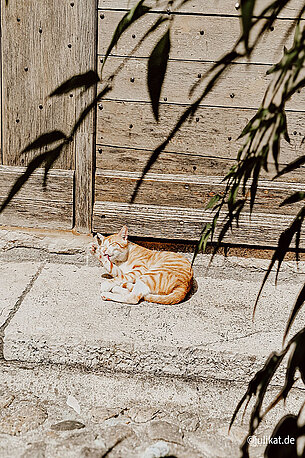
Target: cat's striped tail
[{"x": 167, "y": 299}]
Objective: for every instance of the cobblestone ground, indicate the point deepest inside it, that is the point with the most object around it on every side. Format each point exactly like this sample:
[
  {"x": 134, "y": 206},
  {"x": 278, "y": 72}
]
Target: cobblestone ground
[
  {"x": 145, "y": 431},
  {"x": 51, "y": 423},
  {"x": 54, "y": 412}
]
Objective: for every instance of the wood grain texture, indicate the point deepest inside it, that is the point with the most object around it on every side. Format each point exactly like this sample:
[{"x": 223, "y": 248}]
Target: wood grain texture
[
  {"x": 40, "y": 50},
  {"x": 59, "y": 184},
  {"x": 242, "y": 86},
  {"x": 43, "y": 46},
  {"x": 171, "y": 200},
  {"x": 133, "y": 160},
  {"x": 35, "y": 206},
  {"x": 85, "y": 137},
  {"x": 185, "y": 224},
  {"x": 219, "y": 7},
  {"x": 187, "y": 191},
  {"x": 1, "y": 149},
  {"x": 38, "y": 214},
  {"x": 219, "y": 35},
  {"x": 212, "y": 132}
]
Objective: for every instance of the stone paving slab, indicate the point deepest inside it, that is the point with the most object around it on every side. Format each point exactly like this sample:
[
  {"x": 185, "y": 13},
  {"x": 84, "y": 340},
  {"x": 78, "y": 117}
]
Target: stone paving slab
[
  {"x": 63, "y": 320},
  {"x": 19, "y": 245},
  {"x": 38, "y": 245},
  {"x": 153, "y": 416},
  {"x": 14, "y": 279}
]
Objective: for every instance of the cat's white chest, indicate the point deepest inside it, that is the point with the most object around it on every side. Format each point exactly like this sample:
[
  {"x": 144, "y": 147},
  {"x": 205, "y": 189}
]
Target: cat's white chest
[{"x": 125, "y": 267}]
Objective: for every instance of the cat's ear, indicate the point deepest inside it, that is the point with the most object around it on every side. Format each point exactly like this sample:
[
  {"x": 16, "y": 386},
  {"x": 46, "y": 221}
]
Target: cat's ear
[
  {"x": 99, "y": 238},
  {"x": 124, "y": 233}
]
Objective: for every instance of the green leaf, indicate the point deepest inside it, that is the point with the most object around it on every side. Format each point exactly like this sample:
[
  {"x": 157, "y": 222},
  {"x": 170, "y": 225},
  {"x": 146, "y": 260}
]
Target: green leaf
[
  {"x": 214, "y": 223},
  {"x": 45, "y": 139},
  {"x": 205, "y": 237},
  {"x": 135, "y": 13},
  {"x": 233, "y": 214},
  {"x": 249, "y": 127},
  {"x": 297, "y": 34},
  {"x": 233, "y": 194},
  {"x": 255, "y": 177},
  {"x": 85, "y": 80},
  {"x": 213, "y": 201},
  {"x": 249, "y": 164},
  {"x": 247, "y": 7},
  {"x": 157, "y": 65},
  {"x": 296, "y": 197}
]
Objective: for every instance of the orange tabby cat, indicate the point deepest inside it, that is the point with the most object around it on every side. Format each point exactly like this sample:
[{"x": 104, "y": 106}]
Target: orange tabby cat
[{"x": 139, "y": 273}]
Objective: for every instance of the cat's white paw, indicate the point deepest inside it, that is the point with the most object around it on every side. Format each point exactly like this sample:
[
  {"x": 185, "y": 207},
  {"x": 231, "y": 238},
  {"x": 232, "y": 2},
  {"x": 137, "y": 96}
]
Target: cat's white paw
[
  {"x": 93, "y": 249},
  {"x": 105, "y": 261},
  {"x": 106, "y": 286},
  {"x": 128, "y": 285}
]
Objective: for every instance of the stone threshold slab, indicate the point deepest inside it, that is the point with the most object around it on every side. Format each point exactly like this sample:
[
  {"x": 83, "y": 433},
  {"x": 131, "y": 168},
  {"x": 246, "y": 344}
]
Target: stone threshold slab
[
  {"x": 15, "y": 279},
  {"x": 63, "y": 320}
]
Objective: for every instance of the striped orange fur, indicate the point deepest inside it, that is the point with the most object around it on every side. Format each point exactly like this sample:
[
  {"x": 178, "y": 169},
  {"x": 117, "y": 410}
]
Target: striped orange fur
[{"x": 139, "y": 273}]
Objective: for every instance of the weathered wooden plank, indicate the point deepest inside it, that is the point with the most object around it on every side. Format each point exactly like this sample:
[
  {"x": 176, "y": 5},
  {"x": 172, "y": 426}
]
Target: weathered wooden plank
[
  {"x": 172, "y": 197},
  {"x": 132, "y": 160},
  {"x": 201, "y": 38},
  {"x": 59, "y": 186},
  {"x": 186, "y": 191},
  {"x": 85, "y": 138},
  {"x": 243, "y": 86},
  {"x": 1, "y": 150},
  {"x": 38, "y": 214},
  {"x": 219, "y": 7},
  {"x": 41, "y": 49},
  {"x": 212, "y": 132},
  {"x": 185, "y": 224},
  {"x": 35, "y": 206}
]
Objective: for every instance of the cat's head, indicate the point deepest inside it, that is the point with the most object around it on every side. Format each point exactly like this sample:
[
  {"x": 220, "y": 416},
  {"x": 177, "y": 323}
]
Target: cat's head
[{"x": 114, "y": 246}]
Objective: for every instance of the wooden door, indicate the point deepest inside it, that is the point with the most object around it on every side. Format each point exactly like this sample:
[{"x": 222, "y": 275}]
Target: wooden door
[
  {"x": 171, "y": 201},
  {"x": 43, "y": 44}
]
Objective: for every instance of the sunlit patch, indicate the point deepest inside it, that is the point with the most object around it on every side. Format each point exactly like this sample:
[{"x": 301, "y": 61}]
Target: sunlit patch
[{"x": 139, "y": 273}]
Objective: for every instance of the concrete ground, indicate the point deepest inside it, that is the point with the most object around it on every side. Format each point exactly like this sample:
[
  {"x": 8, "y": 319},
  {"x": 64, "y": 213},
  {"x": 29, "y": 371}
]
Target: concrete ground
[{"x": 80, "y": 376}]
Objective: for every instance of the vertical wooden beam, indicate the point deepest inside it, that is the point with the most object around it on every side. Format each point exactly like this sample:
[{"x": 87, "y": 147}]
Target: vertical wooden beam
[
  {"x": 85, "y": 137},
  {"x": 44, "y": 44},
  {"x": 40, "y": 42},
  {"x": 1, "y": 91}
]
